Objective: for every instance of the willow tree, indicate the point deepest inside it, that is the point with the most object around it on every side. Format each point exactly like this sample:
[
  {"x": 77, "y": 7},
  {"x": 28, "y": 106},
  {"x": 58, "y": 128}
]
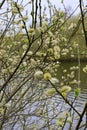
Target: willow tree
[{"x": 32, "y": 44}]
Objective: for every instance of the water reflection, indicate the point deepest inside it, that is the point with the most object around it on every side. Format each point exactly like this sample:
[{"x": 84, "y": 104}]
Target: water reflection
[
  {"x": 67, "y": 66},
  {"x": 83, "y": 78},
  {"x": 82, "y": 99}
]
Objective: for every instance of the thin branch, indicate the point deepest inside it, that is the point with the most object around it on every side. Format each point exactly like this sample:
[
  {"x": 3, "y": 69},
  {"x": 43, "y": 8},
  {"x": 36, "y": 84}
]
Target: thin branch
[
  {"x": 65, "y": 99},
  {"x": 7, "y": 26},
  {"x": 40, "y": 9},
  {"x": 83, "y": 23},
  {"x": 80, "y": 120},
  {"x": 36, "y": 13},
  {"x": 1, "y": 4},
  {"x": 32, "y": 13}
]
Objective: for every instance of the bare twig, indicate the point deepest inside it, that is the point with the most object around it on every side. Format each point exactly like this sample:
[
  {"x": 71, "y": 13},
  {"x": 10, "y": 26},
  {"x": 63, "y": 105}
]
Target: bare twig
[
  {"x": 83, "y": 23},
  {"x": 6, "y": 28},
  {"x": 1, "y": 4},
  {"x": 36, "y": 13},
  {"x": 80, "y": 120},
  {"x": 65, "y": 99},
  {"x": 32, "y": 13},
  {"x": 40, "y": 13}
]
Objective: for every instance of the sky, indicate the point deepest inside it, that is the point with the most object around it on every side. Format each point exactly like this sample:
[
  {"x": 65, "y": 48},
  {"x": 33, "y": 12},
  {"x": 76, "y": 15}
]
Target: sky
[{"x": 71, "y": 4}]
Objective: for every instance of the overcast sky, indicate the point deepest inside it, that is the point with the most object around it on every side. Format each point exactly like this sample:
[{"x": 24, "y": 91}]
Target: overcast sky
[{"x": 71, "y": 4}]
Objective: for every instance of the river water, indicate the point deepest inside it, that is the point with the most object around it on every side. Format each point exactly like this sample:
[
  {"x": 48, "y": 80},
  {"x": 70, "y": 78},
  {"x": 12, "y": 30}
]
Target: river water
[
  {"x": 79, "y": 75},
  {"x": 83, "y": 76}
]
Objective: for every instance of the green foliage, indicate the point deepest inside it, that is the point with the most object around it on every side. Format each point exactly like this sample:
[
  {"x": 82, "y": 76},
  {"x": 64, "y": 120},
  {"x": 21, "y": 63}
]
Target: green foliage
[{"x": 77, "y": 92}]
